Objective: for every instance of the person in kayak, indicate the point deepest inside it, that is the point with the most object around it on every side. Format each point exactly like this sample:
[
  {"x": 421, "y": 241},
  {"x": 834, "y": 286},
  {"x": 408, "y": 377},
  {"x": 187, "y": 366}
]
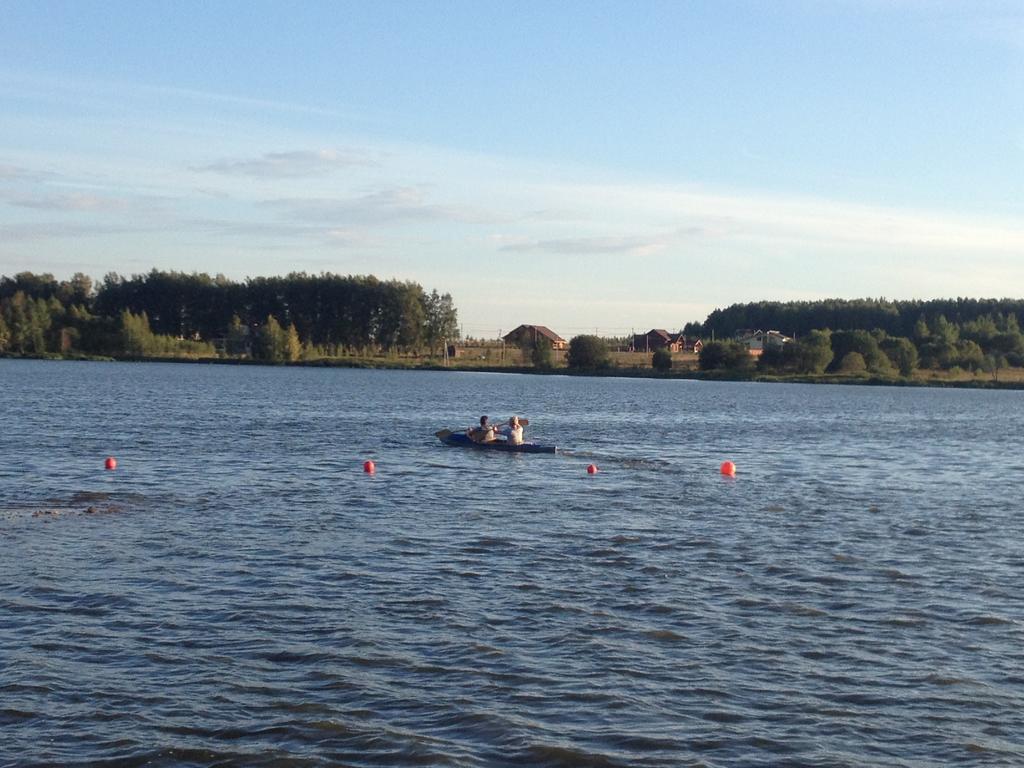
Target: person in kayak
[
  {"x": 484, "y": 433},
  {"x": 513, "y": 432}
]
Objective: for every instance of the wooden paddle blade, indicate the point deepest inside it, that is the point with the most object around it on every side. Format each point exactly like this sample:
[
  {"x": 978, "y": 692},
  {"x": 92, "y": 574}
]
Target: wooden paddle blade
[{"x": 443, "y": 433}]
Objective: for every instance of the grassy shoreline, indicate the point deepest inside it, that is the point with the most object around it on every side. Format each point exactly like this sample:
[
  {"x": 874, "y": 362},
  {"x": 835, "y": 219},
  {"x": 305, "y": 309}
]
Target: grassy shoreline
[{"x": 1012, "y": 378}]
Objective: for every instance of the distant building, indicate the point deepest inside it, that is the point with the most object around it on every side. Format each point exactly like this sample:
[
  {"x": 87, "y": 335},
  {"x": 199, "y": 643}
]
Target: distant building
[
  {"x": 654, "y": 339},
  {"x": 690, "y": 344},
  {"x": 757, "y": 341},
  {"x": 658, "y": 338},
  {"x": 530, "y": 334}
]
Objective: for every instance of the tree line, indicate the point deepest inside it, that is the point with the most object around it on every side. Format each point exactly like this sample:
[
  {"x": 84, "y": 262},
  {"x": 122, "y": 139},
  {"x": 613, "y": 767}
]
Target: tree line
[
  {"x": 896, "y": 318},
  {"x": 985, "y": 343},
  {"x": 866, "y": 336},
  {"x": 177, "y": 314}
]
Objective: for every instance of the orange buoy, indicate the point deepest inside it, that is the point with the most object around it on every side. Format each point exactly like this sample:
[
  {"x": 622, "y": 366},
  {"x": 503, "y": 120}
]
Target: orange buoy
[
  {"x": 728, "y": 469},
  {"x": 592, "y": 469},
  {"x": 369, "y": 467},
  {"x": 110, "y": 463}
]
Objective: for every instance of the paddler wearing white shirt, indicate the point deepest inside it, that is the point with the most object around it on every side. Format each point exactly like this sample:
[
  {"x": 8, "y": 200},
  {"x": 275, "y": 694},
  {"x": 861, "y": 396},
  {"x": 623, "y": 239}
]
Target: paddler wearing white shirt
[{"x": 514, "y": 431}]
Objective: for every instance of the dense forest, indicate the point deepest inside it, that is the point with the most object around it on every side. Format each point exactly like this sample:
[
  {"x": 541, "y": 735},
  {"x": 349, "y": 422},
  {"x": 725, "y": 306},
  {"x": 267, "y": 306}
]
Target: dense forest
[
  {"x": 172, "y": 314},
  {"x": 896, "y": 318},
  {"x": 871, "y": 335}
]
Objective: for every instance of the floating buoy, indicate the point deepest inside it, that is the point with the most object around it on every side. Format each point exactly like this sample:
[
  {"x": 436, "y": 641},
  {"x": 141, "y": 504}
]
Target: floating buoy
[
  {"x": 369, "y": 467},
  {"x": 728, "y": 469},
  {"x": 110, "y": 463},
  {"x": 592, "y": 469}
]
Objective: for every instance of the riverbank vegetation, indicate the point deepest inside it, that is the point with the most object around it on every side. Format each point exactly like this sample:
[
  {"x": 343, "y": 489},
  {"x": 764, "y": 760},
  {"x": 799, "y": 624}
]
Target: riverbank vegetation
[
  {"x": 176, "y": 315},
  {"x": 362, "y": 321},
  {"x": 980, "y": 338}
]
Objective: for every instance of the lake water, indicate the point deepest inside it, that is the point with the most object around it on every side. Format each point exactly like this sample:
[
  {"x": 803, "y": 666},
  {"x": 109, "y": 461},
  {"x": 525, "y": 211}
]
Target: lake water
[{"x": 242, "y": 593}]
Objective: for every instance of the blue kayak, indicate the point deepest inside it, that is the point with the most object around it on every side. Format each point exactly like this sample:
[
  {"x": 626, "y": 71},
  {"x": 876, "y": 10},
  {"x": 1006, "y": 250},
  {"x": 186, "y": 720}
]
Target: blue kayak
[{"x": 462, "y": 440}]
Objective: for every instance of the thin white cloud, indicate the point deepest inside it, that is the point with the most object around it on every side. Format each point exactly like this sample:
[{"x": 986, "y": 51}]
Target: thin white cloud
[
  {"x": 73, "y": 203},
  {"x": 555, "y": 215},
  {"x": 12, "y": 173},
  {"x": 630, "y": 246},
  {"x": 56, "y": 230},
  {"x": 398, "y": 204},
  {"x": 108, "y": 94},
  {"x": 253, "y": 231},
  {"x": 771, "y": 219},
  {"x": 16, "y": 173},
  {"x": 346, "y": 238},
  {"x": 297, "y": 164}
]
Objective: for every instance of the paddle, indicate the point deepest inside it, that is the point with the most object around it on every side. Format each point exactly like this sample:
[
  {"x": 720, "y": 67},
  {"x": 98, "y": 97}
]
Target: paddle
[{"x": 522, "y": 423}]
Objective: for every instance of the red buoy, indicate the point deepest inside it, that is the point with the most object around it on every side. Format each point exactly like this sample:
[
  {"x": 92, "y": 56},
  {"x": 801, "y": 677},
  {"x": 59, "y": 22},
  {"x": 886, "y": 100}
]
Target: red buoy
[
  {"x": 592, "y": 469},
  {"x": 728, "y": 469},
  {"x": 369, "y": 467},
  {"x": 110, "y": 463}
]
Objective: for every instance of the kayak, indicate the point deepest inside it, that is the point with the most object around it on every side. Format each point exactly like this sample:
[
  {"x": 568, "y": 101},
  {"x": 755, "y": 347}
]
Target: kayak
[{"x": 462, "y": 440}]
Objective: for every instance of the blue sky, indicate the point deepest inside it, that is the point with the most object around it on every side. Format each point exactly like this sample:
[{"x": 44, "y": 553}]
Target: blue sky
[{"x": 589, "y": 166}]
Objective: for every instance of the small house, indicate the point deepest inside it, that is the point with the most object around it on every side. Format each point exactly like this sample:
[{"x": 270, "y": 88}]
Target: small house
[
  {"x": 688, "y": 344},
  {"x": 530, "y": 334},
  {"x": 654, "y": 339},
  {"x": 757, "y": 341}
]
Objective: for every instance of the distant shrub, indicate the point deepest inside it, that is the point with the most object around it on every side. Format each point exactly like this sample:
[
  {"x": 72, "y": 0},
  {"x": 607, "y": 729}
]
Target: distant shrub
[
  {"x": 540, "y": 354},
  {"x": 902, "y": 353},
  {"x": 725, "y": 355},
  {"x": 865, "y": 345},
  {"x": 588, "y": 352},
  {"x": 852, "y": 363},
  {"x": 661, "y": 360}
]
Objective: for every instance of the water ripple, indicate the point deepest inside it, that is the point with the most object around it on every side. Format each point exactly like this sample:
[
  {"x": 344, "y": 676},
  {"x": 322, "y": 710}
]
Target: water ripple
[{"x": 243, "y": 594}]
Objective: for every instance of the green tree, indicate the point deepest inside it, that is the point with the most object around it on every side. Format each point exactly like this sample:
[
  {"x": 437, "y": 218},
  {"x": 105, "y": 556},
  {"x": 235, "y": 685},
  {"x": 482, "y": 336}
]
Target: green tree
[
  {"x": 863, "y": 343},
  {"x": 970, "y": 355},
  {"x": 945, "y": 331},
  {"x": 588, "y": 352},
  {"x": 921, "y": 331},
  {"x": 852, "y": 363},
  {"x": 292, "y": 345},
  {"x": 136, "y": 336},
  {"x": 539, "y": 351},
  {"x": 1008, "y": 342},
  {"x": 981, "y": 330},
  {"x": 939, "y": 348},
  {"x": 441, "y": 322},
  {"x": 77, "y": 290},
  {"x": 236, "y": 344},
  {"x": 725, "y": 355},
  {"x": 901, "y": 353},
  {"x": 40, "y": 320},
  {"x": 272, "y": 342},
  {"x": 991, "y": 365},
  {"x": 661, "y": 360},
  {"x": 413, "y": 322},
  {"x": 812, "y": 353}
]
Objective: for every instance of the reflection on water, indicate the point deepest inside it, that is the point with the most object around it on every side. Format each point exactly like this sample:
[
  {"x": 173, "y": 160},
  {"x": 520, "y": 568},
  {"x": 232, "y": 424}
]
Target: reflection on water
[{"x": 850, "y": 598}]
